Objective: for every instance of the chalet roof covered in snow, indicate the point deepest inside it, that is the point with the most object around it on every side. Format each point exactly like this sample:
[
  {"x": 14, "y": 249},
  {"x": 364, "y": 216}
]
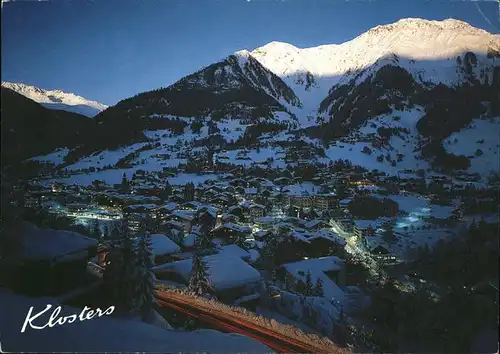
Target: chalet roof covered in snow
[
  {"x": 376, "y": 241},
  {"x": 162, "y": 245},
  {"x": 195, "y": 204},
  {"x": 300, "y": 235},
  {"x": 364, "y": 224},
  {"x": 318, "y": 267},
  {"x": 47, "y": 243},
  {"x": 175, "y": 224},
  {"x": 250, "y": 191},
  {"x": 224, "y": 270},
  {"x": 308, "y": 236},
  {"x": 105, "y": 334},
  {"x": 329, "y": 235},
  {"x": 314, "y": 223},
  {"x": 234, "y": 251},
  {"x": 266, "y": 220},
  {"x": 369, "y": 188},
  {"x": 209, "y": 210},
  {"x": 235, "y": 227},
  {"x": 261, "y": 233},
  {"x": 267, "y": 183},
  {"x": 141, "y": 207},
  {"x": 170, "y": 206},
  {"x": 248, "y": 205},
  {"x": 184, "y": 214},
  {"x": 345, "y": 201}
]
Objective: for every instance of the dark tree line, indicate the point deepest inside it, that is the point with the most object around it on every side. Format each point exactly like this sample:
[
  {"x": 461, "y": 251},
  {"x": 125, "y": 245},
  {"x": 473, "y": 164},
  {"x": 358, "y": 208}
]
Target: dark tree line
[{"x": 464, "y": 271}]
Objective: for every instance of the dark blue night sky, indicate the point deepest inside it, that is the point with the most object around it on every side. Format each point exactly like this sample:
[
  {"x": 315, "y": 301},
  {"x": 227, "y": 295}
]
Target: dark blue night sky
[{"x": 109, "y": 50}]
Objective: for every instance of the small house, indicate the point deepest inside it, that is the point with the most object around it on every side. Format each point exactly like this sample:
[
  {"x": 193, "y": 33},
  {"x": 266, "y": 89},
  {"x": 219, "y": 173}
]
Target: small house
[
  {"x": 46, "y": 262},
  {"x": 163, "y": 248}
]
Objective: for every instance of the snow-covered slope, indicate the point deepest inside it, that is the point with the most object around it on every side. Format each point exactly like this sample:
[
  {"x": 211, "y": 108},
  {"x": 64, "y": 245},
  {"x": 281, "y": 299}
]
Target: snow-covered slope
[
  {"x": 57, "y": 99},
  {"x": 480, "y": 141},
  {"x": 104, "y": 334},
  {"x": 388, "y": 99},
  {"x": 311, "y": 72},
  {"x": 412, "y": 38}
]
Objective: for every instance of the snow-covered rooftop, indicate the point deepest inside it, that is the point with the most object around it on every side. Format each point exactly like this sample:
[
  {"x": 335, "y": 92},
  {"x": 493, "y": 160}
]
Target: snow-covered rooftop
[
  {"x": 224, "y": 270},
  {"x": 237, "y": 228},
  {"x": 47, "y": 243},
  {"x": 175, "y": 224},
  {"x": 162, "y": 245},
  {"x": 303, "y": 189},
  {"x": 266, "y": 220},
  {"x": 317, "y": 267},
  {"x": 142, "y": 206},
  {"x": 184, "y": 214},
  {"x": 363, "y": 224},
  {"x": 235, "y": 251}
]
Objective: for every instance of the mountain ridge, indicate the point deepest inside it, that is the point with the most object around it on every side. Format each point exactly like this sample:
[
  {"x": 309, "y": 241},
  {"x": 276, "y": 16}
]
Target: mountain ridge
[
  {"x": 314, "y": 105},
  {"x": 57, "y": 99}
]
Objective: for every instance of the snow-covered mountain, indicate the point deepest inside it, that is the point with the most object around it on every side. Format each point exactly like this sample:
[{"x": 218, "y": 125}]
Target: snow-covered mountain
[
  {"x": 311, "y": 72},
  {"x": 57, "y": 99},
  {"x": 388, "y": 99}
]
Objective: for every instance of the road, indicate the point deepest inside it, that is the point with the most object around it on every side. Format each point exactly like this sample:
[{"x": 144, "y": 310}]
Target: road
[
  {"x": 378, "y": 273},
  {"x": 233, "y": 324}
]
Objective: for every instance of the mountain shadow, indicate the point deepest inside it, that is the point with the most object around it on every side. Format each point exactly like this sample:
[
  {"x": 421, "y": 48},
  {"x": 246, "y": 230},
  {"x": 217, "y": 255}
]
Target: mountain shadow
[
  {"x": 29, "y": 129},
  {"x": 396, "y": 83}
]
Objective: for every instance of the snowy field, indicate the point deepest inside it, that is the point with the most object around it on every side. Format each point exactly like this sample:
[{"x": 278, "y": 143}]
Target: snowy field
[
  {"x": 175, "y": 149},
  {"x": 104, "y": 158},
  {"x": 247, "y": 157},
  {"x": 56, "y": 157},
  {"x": 114, "y": 176},
  {"x": 351, "y": 147},
  {"x": 481, "y": 134}
]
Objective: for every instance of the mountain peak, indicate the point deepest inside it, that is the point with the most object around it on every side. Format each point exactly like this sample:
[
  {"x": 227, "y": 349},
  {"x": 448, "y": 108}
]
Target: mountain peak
[
  {"x": 57, "y": 99},
  {"x": 277, "y": 44},
  {"x": 244, "y": 54},
  {"x": 414, "y": 23},
  {"x": 274, "y": 48}
]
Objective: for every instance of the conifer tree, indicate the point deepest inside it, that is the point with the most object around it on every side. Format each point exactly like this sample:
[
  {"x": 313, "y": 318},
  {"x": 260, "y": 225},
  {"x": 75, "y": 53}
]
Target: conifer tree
[
  {"x": 318, "y": 288},
  {"x": 286, "y": 284},
  {"x": 189, "y": 192},
  {"x": 121, "y": 276},
  {"x": 176, "y": 237},
  {"x": 203, "y": 242},
  {"x": 308, "y": 286},
  {"x": 106, "y": 233},
  {"x": 124, "y": 180},
  {"x": 269, "y": 253},
  {"x": 313, "y": 214},
  {"x": 129, "y": 274},
  {"x": 240, "y": 242},
  {"x": 342, "y": 315},
  {"x": 125, "y": 185},
  {"x": 145, "y": 290},
  {"x": 199, "y": 283},
  {"x": 388, "y": 234},
  {"x": 96, "y": 231},
  {"x": 115, "y": 233}
]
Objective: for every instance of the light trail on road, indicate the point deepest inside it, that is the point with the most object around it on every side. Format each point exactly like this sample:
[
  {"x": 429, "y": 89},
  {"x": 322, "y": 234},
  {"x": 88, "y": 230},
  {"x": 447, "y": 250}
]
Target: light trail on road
[{"x": 232, "y": 323}]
